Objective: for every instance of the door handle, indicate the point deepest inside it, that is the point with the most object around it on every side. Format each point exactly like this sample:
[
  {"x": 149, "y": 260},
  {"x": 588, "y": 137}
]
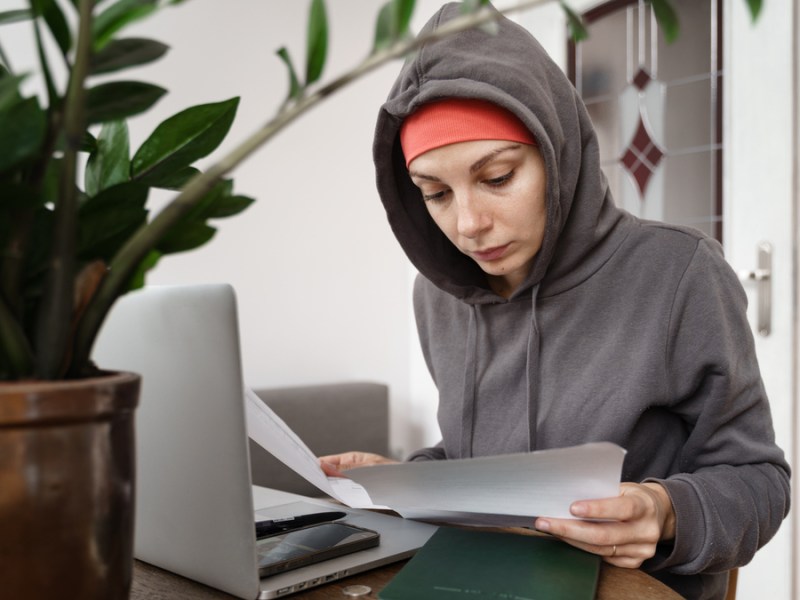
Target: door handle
[{"x": 762, "y": 276}]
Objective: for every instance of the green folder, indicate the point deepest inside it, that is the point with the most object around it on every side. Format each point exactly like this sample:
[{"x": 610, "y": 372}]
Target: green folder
[{"x": 470, "y": 563}]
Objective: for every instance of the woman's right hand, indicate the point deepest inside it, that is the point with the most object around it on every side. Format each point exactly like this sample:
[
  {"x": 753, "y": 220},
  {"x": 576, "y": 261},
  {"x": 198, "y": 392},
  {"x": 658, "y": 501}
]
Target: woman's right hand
[{"x": 333, "y": 465}]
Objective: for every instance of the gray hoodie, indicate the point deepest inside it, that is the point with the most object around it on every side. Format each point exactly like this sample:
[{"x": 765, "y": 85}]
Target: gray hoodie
[{"x": 625, "y": 330}]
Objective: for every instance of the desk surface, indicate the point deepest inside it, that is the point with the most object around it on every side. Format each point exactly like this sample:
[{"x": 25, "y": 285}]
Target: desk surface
[{"x": 152, "y": 583}]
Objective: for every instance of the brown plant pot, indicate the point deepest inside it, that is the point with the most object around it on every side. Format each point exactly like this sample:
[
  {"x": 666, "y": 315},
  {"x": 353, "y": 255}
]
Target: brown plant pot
[{"x": 67, "y": 487}]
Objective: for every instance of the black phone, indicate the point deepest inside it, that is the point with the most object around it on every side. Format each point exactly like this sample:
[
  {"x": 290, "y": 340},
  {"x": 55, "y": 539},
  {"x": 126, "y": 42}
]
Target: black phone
[{"x": 308, "y": 545}]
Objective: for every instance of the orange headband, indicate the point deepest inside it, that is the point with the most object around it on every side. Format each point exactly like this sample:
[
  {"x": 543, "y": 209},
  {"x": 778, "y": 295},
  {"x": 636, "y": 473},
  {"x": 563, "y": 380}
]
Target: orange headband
[{"x": 459, "y": 120}]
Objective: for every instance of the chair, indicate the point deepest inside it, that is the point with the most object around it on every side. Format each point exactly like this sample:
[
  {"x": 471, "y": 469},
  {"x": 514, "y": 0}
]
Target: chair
[
  {"x": 733, "y": 576},
  {"x": 329, "y": 418}
]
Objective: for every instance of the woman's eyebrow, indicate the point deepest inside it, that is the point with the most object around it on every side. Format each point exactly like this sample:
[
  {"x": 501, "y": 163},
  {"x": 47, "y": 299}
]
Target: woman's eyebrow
[
  {"x": 418, "y": 175},
  {"x": 490, "y": 156},
  {"x": 473, "y": 167}
]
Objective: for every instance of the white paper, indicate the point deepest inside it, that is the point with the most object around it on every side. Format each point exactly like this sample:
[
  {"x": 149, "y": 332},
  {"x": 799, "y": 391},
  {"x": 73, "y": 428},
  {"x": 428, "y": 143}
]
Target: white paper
[
  {"x": 270, "y": 432},
  {"x": 542, "y": 483},
  {"x": 493, "y": 490}
]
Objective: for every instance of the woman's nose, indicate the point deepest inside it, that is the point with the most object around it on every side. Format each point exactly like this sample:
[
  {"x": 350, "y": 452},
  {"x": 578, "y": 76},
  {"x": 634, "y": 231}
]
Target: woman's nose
[{"x": 473, "y": 219}]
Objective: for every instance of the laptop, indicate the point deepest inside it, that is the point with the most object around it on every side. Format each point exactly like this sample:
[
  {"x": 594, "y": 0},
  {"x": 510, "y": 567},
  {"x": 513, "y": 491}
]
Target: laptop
[{"x": 195, "y": 502}]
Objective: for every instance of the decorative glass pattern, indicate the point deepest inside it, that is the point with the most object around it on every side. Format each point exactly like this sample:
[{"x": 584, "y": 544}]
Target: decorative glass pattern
[
  {"x": 642, "y": 157},
  {"x": 656, "y": 108}
]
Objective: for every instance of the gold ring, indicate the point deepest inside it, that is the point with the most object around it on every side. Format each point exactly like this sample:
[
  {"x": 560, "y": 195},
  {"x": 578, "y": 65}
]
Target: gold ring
[{"x": 614, "y": 551}]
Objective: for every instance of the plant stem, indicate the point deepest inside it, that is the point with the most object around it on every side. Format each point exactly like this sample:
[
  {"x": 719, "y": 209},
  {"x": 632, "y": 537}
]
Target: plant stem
[
  {"x": 128, "y": 258},
  {"x": 54, "y": 323},
  {"x": 17, "y": 355}
]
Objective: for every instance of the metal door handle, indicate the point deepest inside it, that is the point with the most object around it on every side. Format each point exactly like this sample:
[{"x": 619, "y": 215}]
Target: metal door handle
[{"x": 762, "y": 275}]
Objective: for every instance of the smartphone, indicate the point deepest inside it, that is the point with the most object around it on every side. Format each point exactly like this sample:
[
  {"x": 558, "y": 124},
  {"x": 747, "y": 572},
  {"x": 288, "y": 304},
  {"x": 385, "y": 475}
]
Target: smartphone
[{"x": 300, "y": 547}]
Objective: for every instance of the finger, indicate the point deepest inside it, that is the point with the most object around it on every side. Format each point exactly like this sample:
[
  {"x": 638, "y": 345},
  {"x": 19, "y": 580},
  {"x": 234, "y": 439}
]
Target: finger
[
  {"x": 629, "y": 556},
  {"x": 619, "y": 508},
  {"x": 343, "y": 461},
  {"x": 330, "y": 470},
  {"x": 593, "y": 534}
]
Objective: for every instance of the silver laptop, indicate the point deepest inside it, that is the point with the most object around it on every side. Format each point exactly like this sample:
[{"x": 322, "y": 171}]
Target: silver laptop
[{"x": 195, "y": 505}]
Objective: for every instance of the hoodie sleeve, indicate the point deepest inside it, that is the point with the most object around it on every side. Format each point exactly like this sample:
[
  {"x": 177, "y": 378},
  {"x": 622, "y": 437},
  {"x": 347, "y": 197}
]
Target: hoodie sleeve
[
  {"x": 433, "y": 453},
  {"x": 732, "y": 491}
]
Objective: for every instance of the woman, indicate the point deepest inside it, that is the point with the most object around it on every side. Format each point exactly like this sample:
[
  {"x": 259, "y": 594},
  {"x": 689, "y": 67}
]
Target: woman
[{"x": 548, "y": 317}]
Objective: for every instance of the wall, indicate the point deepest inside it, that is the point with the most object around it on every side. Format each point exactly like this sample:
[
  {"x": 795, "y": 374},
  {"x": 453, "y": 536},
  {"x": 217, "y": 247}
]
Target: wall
[{"x": 323, "y": 288}]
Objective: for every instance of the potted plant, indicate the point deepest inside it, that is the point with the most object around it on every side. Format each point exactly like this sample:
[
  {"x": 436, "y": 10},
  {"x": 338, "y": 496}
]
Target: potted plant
[
  {"x": 72, "y": 198},
  {"x": 76, "y": 234}
]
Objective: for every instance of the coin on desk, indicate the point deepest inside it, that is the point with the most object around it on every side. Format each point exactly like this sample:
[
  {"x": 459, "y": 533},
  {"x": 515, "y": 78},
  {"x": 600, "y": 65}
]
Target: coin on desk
[{"x": 356, "y": 590}]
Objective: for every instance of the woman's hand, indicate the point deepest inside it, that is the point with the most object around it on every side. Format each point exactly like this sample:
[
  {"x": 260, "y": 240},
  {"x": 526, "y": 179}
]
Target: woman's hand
[
  {"x": 636, "y": 521},
  {"x": 333, "y": 464}
]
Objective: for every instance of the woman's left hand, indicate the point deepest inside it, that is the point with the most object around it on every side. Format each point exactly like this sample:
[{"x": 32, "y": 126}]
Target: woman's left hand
[{"x": 634, "y": 523}]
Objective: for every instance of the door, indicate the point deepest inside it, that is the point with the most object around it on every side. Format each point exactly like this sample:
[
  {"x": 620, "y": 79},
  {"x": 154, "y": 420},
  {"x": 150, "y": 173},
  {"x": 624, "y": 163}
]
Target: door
[
  {"x": 740, "y": 144},
  {"x": 760, "y": 207}
]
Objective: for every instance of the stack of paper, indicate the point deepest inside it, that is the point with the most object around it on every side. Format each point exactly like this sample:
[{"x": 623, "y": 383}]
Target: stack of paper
[{"x": 494, "y": 490}]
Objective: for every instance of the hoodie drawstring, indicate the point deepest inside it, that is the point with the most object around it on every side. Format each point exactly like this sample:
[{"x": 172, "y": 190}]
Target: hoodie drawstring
[
  {"x": 532, "y": 370},
  {"x": 470, "y": 368}
]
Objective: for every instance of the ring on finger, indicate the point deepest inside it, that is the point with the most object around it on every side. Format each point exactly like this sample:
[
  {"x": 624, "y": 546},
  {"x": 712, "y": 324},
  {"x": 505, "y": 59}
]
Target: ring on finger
[{"x": 614, "y": 550}]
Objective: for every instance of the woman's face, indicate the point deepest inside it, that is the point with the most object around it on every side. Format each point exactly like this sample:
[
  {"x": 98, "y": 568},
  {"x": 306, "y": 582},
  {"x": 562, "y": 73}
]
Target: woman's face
[{"x": 488, "y": 197}]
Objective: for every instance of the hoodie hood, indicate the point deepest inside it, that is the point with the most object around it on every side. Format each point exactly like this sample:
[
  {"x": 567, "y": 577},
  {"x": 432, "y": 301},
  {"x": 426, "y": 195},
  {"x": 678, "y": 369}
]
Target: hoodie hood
[{"x": 509, "y": 68}]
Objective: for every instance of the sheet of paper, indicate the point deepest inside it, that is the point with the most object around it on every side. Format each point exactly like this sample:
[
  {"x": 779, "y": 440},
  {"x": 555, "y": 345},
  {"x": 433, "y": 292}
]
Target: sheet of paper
[
  {"x": 270, "y": 432},
  {"x": 542, "y": 483},
  {"x": 492, "y": 490}
]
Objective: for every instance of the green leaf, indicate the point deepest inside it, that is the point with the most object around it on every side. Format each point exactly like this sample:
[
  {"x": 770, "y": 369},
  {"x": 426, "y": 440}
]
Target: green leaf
[
  {"x": 404, "y": 10},
  {"x": 120, "y": 99},
  {"x": 13, "y": 16},
  {"x": 182, "y": 139},
  {"x": 383, "y": 28},
  {"x": 186, "y": 236},
  {"x": 471, "y": 6},
  {"x": 117, "y": 16},
  {"x": 755, "y": 8},
  {"x": 52, "y": 92},
  {"x": 110, "y": 163},
  {"x": 22, "y": 130},
  {"x": 130, "y": 52},
  {"x": 88, "y": 143},
  {"x": 228, "y": 206},
  {"x": 9, "y": 90},
  {"x": 176, "y": 180},
  {"x": 316, "y": 41},
  {"x": 107, "y": 221},
  {"x": 138, "y": 278},
  {"x": 56, "y": 22},
  {"x": 295, "y": 90},
  {"x": 575, "y": 24},
  {"x": 204, "y": 208},
  {"x": 667, "y": 19},
  {"x": 393, "y": 22},
  {"x": 219, "y": 203}
]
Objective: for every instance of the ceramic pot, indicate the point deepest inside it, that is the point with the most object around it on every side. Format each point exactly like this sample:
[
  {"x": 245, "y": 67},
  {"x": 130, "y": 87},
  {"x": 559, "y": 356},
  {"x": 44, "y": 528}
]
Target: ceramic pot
[{"x": 67, "y": 487}]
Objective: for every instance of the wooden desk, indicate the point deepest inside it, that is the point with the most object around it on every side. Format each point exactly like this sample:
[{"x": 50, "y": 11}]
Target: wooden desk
[{"x": 152, "y": 583}]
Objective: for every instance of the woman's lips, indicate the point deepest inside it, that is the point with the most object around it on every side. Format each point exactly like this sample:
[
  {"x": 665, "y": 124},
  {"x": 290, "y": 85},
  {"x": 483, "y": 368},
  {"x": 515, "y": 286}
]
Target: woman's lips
[{"x": 490, "y": 253}]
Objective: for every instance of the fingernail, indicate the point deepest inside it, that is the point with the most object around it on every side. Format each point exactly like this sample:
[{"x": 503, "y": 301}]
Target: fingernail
[
  {"x": 578, "y": 509},
  {"x": 542, "y": 525}
]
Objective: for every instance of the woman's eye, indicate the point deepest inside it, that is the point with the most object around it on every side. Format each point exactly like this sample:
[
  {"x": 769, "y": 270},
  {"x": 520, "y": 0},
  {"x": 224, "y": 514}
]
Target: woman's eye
[
  {"x": 435, "y": 196},
  {"x": 500, "y": 181}
]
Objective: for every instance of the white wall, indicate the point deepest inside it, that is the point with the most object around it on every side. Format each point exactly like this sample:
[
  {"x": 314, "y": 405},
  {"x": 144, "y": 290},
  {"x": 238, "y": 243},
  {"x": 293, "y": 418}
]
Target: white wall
[{"x": 323, "y": 287}]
